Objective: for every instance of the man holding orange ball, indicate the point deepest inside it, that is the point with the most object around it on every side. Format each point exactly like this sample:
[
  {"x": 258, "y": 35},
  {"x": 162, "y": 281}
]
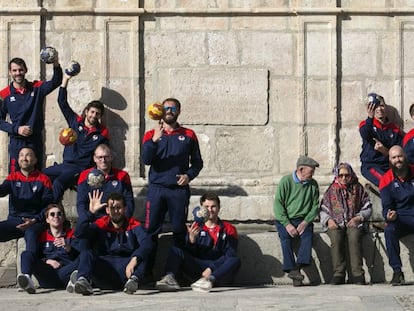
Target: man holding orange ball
[
  {"x": 174, "y": 155},
  {"x": 77, "y": 156}
]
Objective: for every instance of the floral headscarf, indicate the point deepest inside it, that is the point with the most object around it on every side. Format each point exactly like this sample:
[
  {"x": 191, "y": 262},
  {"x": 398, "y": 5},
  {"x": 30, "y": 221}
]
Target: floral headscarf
[{"x": 353, "y": 180}]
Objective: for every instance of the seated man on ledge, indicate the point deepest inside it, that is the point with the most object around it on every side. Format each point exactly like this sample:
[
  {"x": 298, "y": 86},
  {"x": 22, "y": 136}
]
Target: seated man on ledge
[
  {"x": 120, "y": 247},
  {"x": 397, "y": 197},
  {"x": 209, "y": 253}
]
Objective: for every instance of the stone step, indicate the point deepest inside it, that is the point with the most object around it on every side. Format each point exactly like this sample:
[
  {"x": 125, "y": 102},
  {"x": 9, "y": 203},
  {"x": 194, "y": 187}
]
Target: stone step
[{"x": 261, "y": 257}]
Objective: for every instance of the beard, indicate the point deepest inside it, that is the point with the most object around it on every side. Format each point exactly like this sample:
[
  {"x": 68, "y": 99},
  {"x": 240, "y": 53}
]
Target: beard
[
  {"x": 403, "y": 171},
  {"x": 118, "y": 219},
  {"x": 170, "y": 120}
]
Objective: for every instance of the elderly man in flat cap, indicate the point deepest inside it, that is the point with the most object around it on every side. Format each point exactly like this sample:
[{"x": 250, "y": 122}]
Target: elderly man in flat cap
[{"x": 295, "y": 207}]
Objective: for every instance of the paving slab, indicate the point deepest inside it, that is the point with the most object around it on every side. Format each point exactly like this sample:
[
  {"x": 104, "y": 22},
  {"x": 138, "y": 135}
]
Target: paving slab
[{"x": 273, "y": 297}]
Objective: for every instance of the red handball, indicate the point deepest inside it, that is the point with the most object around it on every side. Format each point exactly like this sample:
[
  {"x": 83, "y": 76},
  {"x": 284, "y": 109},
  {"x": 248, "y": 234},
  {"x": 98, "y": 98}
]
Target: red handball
[
  {"x": 67, "y": 136},
  {"x": 156, "y": 111}
]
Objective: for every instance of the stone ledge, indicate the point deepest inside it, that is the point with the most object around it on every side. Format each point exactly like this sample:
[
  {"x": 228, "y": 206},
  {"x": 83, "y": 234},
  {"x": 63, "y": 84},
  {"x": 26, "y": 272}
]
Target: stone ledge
[{"x": 261, "y": 258}]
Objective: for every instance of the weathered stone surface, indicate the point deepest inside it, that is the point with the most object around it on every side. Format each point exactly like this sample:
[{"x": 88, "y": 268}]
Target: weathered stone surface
[{"x": 240, "y": 95}]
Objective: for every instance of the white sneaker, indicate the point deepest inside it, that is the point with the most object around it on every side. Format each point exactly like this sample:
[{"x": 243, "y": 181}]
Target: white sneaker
[
  {"x": 167, "y": 284},
  {"x": 202, "y": 285},
  {"x": 70, "y": 288},
  {"x": 25, "y": 282}
]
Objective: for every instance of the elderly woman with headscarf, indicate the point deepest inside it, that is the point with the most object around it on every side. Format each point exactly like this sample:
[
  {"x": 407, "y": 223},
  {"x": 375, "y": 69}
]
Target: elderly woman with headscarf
[{"x": 344, "y": 209}]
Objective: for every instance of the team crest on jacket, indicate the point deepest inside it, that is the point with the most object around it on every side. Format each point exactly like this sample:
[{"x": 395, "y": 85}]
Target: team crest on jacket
[
  {"x": 12, "y": 99},
  {"x": 32, "y": 94},
  {"x": 18, "y": 184},
  {"x": 374, "y": 128},
  {"x": 34, "y": 188},
  {"x": 114, "y": 183},
  {"x": 181, "y": 138},
  {"x": 80, "y": 128},
  {"x": 396, "y": 185},
  {"x": 202, "y": 233},
  {"x": 95, "y": 137}
]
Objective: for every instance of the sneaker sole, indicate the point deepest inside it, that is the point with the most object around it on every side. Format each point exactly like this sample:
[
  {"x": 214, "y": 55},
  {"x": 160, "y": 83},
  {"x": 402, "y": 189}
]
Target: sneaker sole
[
  {"x": 80, "y": 289},
  {"x": 70, "y": 288},
  {"x": 296, "y": 277},
  {"x": 165, "y": 288},
  {"x": 200, "y": 290}
]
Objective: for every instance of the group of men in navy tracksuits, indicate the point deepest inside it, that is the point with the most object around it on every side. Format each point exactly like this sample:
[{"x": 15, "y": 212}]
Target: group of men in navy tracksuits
[
  {"x": 387, "y": 157},
  {"x": 108, "y": 247}
]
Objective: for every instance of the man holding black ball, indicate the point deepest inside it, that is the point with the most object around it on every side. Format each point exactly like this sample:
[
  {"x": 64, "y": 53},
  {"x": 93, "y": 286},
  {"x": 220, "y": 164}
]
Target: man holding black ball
[{"x": 23, "y": 102}]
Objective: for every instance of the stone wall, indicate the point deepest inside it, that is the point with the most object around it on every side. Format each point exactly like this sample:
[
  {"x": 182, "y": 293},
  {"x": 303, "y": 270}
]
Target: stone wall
[{"x": 261, "y": 81}]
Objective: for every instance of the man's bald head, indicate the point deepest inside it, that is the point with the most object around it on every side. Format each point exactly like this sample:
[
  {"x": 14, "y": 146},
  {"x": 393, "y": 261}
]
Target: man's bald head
[
  {"x": 396, "y": 150},
  {"x": 398, "y": 161}
]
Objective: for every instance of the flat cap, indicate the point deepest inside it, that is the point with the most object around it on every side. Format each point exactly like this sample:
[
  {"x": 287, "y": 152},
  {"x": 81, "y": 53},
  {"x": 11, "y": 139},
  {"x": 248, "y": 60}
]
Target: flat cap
[{"x": 306, "y": 161}]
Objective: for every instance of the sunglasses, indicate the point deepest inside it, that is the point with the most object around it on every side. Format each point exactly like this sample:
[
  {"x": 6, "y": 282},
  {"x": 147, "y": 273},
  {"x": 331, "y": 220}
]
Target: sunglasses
[
  {"x": 344, "y": 175},
  {"x": 173, "y": 109},
  {"x": 57, "y": 214}
]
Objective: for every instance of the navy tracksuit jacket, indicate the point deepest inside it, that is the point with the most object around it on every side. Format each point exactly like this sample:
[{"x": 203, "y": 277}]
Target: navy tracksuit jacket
[{"x": 26, "y": 107}]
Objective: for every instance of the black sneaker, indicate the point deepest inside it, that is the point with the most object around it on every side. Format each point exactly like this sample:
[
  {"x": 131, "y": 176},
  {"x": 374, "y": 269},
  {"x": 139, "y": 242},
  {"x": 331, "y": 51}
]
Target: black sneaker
[
  {"x": 359, "y": 280},
  {"x": 131, "y": 285},
  {"x": 82, "y": 286},
  {"x": 296, "y": 275},
  {"x": 338, "y": 280},
  {"x": 397, "y": 278},
  {"x": 297, "y": 283}
]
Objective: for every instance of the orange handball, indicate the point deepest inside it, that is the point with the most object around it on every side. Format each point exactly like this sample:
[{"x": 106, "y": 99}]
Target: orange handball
[
  {"x": 67, "y": 136},
  {"x": 156, "y": 111}
]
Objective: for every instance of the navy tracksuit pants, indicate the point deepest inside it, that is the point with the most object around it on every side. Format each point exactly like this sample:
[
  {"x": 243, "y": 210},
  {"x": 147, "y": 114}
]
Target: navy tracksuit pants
[
  {"x": 63, "y": 176},
  {"x": 223, "y": 268},
  {"x": 107, "y": 272},
  {"x": 47, "y": 276},
  {"x": 395, "y": 230},
  {"x": 8, "y": 231}
]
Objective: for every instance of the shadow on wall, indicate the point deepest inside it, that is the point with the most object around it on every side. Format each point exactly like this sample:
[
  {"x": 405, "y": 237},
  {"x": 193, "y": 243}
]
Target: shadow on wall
[
  {"x": 118, "y": 128},
  {"x": 265, "y": 267},
  {"x": 394, "y": 116}
]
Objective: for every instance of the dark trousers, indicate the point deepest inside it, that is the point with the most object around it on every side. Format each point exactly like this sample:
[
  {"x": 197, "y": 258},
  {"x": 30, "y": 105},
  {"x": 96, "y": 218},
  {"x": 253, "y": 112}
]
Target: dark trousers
[
  {"x": 175, "y": 201},
  {"x": 342, "y": 240},
  {"x": 107, "y": 272},
  {"x": 304, "y": 255},
  {"x": 63, "y": 176},
  {"x": 47, "y": 276},
  {"x": 393, "y": 232},
  {"x": 223, "y": 268},
  {"x": 373, "y": 173},
  {"x": 8, "y": 231}
]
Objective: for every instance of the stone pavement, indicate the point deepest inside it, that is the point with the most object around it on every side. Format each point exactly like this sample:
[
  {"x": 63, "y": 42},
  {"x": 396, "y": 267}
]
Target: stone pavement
[{"x": 279, "y": 297}]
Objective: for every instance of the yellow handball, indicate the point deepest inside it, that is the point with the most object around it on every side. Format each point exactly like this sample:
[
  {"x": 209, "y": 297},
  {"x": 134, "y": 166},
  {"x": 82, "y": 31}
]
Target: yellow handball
[
  {"x": 67, "y": 136},
  {"x": 156, "y": 111}
]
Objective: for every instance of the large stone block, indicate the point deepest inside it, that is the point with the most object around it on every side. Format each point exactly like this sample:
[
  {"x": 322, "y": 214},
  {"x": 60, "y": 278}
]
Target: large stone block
[
  {"x": 230, "y": 105},
  {"x": 247, "y": 160}
]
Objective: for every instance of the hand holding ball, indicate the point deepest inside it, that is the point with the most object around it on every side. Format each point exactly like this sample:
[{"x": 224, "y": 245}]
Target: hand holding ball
[
  {"x": 73, "y": 69},
  {"x": 96, "y": 178},
  {"x": 48, "y": 54},
  {"x": 201, "y": 215},
  {"x": 67, "y": 136},
  {"x": 156, "y": 111}
]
